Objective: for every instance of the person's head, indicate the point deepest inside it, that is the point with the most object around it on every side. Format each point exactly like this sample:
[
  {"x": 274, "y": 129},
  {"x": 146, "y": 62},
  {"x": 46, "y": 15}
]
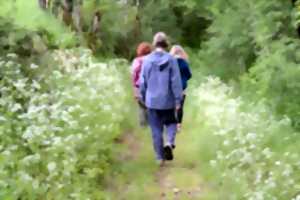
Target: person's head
[
  {"x": 143, "y": 49},
  {"x": 178, "y": 51},
  {"x": 160, "y": 39}
]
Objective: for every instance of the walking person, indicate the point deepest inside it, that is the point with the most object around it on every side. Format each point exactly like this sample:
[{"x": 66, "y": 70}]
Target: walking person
[
  {"x": 182, "y": 59},
  {"x": 142, "y": 50},
  {"x": 161, "y": 91}
]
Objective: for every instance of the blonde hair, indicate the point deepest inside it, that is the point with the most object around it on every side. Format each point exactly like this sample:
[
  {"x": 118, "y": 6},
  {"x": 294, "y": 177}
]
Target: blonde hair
[{"x": 178, "y": 51}]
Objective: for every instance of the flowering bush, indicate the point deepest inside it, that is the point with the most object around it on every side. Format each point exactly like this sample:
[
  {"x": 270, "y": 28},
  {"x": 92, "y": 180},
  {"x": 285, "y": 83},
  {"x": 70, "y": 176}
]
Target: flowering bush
[
  {"x": 57, "y": 129},
  {"x": 252, "y": 154}
]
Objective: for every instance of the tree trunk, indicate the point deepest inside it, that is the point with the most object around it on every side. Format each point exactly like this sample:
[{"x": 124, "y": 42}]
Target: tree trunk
[
  {"x": 43, "y": 4},
  {"x": 77, "y": 20},
  {"x": 67, "y": 17},
  {"x": 67, "y": 12},
  {"x": 295, "y": 4},
  {"x": 96, "y": 22}
]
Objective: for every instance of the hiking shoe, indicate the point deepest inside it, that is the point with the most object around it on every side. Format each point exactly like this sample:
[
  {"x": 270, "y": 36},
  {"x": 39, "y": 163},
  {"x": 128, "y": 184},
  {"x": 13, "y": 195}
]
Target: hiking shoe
[{"x": 168, "y": 152}]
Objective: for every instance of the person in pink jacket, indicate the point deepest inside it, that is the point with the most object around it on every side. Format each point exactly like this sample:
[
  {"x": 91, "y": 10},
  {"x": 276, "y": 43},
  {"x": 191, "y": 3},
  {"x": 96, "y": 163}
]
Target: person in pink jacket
[{"x": 143, "y": 49}]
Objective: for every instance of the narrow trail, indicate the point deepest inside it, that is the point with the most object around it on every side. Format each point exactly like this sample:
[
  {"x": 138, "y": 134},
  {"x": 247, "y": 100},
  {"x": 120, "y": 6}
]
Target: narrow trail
[{"x": 141, "y": 178}]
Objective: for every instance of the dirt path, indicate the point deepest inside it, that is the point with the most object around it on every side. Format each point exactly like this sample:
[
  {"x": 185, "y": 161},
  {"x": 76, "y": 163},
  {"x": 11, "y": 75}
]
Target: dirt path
[
  {"x": 141, "y": 178},
  {"x": 171, "y": 185}
]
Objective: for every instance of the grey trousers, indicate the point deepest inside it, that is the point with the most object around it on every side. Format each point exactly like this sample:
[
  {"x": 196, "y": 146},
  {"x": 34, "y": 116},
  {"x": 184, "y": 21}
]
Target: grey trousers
[{"x": 142, "y": 114}]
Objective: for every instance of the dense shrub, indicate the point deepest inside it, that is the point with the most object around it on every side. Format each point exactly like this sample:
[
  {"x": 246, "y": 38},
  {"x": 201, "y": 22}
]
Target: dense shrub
[
  {"x": 236, "y": 42},
  {"x": 57, "y": 130},
  {"x": 252, "y": 155},
  {"x": 60, "y": 116},
  {"x": 17, "y": 24},
  {"x": 259, "y": 44},
  {"x": 275, "y": 77}
]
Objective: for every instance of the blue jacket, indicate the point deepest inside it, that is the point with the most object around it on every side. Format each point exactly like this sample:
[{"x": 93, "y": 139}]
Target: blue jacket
[
  {"x": 185, "y": 72},
  {"x": 160, "y": 81}
]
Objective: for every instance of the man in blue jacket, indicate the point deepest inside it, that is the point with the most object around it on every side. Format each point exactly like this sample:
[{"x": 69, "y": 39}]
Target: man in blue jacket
[{"x": 161, "y": 92}]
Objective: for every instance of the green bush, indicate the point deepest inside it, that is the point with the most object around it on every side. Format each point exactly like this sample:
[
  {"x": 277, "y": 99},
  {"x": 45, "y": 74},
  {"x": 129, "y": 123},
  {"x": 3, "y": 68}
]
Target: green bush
[
  {"x": 258, "y": 48},
  {"x": 275, "y": 77},
  {"x": 57, "y": 131},
  {"x": 246, "y": 152},
  {"x": 235, "y": 42},
  {"x": 16, "y": 12}
]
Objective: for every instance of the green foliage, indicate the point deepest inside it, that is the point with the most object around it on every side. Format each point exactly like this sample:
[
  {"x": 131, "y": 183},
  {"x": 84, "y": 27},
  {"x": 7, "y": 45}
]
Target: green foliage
[
  {"x": 236, "y": 42},
  {"x": 121, "y": 26},
  {"x": 261, "y": 40},
  {"x": 183, "y": 25},
  {"x": 297, "y": 13},
  {"x": 246, "y": 152},
  {"x": 16, "y": 12},
  {"x": 157, "y": 16},
  {"x": 15, "y": 39},
  {"x": 59, "y": 117},
  {"x": 57, "y": 129},
  {"x": 276, "y": 77},
  {"x": 117, "y": 24}
]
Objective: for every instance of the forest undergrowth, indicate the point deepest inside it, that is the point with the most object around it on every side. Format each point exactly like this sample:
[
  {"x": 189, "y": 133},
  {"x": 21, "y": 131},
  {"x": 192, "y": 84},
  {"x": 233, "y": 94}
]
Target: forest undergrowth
[{"x": 67, "y": 116}]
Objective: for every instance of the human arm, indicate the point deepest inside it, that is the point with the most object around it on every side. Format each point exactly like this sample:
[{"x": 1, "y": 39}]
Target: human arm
[
  {"x": 142, "y": 83},
  {"x": 136, "y": 71},
  {"x": 186, "y": 70},
  {"x": 176, "y": 84}
]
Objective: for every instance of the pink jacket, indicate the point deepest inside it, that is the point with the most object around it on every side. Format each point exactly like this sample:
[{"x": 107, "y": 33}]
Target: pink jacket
[{"x": 136, "y": 69}]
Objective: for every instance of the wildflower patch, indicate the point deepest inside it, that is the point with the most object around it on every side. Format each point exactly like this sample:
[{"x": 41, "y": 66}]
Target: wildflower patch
[
  {"x": 253, "y": 153},
  {"x": 57, "y": 129}
]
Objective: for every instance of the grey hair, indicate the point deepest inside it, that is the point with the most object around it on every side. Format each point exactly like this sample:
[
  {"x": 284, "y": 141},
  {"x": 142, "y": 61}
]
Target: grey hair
[{"x": 159, "y": 38}]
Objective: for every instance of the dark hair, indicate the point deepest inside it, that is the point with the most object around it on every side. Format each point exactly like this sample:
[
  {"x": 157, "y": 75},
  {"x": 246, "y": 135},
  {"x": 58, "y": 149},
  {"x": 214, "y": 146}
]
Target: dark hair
[{"x": 162, "y": 44}]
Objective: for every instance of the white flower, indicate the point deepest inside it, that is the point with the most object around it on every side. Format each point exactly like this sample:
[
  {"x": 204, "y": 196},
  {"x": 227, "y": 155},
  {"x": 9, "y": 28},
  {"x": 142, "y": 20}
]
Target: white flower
[
  {"x": 266, "y": 152},
  {"x": 35, "y": 184},
  {"x": 213, "y": 163},
  {"x": 28, "y": 134},
  {"x": 25, "y": 177},
  {"x": 226, "y": 143},
  {"x": 16, "y": 107},
  {"x": 36, "y": 85},
  {"x": 57, "y": 140},
  {"x": 51, "y": 167},
  {"x": 20, "y": 84},
  {"x": 6, "y": 153},
  {"x": 12, "y": 55},
  {"x": 34, "y": 66},
  {"x": 287, "y": 170},
  {"x": 251, "y": 136},
  {"x": 31, "y": 159},
  {"x": 2, "y": 118},
  {"x": 10, "y": 63},
  {"x": 297, "y": 197}
]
